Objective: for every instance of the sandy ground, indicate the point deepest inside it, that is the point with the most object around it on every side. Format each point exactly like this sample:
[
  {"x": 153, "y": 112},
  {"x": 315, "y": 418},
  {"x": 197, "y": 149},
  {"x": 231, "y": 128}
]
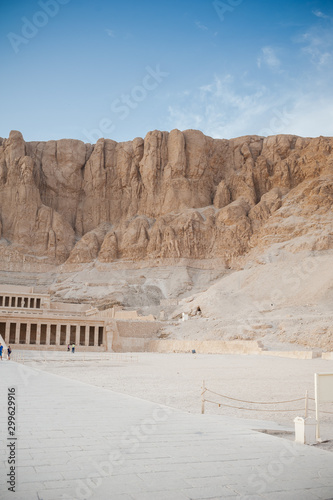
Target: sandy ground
[
  {"x": 285, "y": 298},
  {"x": 176, "y": 380}
]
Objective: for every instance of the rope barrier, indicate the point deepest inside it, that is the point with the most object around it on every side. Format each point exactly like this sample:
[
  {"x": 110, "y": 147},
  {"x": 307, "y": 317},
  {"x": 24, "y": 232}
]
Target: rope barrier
[
  {"x": 313, "y": 409},
  {"x": 305, "y": 398},
  {"x": 262, "y": 409},
  {"x": 250, "y": 409},
  {"x": 254, "y": 402}
]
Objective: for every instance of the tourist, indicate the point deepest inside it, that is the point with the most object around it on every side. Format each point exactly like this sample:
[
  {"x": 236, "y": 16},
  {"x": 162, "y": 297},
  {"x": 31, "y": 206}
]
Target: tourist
[
  {"x": 68, "y": 348},
  {"x": 73, "y": 347},
  {"x": 1, "y": 349},
  {"x": 9, "y": 351}
]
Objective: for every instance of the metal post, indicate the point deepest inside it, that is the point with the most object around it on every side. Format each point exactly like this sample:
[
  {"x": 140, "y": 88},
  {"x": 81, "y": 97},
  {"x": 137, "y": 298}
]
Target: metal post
[
  {"x": 306, "y": 404},
  {"x": 317, "y": 407}
]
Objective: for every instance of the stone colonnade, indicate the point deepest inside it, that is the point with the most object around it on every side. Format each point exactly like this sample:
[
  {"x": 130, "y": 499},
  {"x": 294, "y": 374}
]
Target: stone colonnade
[
  {"x": 40, "y": 332},
  {"x": 10, "y": 300}
]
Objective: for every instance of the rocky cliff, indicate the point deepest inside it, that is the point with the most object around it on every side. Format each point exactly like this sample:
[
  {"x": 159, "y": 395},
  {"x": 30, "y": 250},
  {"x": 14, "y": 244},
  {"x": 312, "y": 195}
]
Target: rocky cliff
[{"x": 170, "y": 195}]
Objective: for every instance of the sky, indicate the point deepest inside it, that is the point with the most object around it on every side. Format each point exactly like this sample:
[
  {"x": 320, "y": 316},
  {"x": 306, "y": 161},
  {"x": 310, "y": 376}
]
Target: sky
[{"x": 85, "y": 69}]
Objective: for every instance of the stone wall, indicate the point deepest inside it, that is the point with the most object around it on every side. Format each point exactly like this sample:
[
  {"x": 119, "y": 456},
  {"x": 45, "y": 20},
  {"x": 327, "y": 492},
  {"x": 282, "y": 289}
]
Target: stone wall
[
  {"x": 293, "y": 354},
  {"x": 64, "y": 306},
  {"x": 327, "y": 355},
  {"x": 138, "y": 329},
  {"x": 131, "y": 344},
  {"x": 206, "y": 346},
  {"x": 16, "y": 289},
  {"x": 132, "y": 315},
  {"x": 131, "y": 336}
]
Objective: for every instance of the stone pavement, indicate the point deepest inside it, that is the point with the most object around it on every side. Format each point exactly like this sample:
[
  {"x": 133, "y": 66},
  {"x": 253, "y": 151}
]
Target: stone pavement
[{"x": 77, "y": 441}]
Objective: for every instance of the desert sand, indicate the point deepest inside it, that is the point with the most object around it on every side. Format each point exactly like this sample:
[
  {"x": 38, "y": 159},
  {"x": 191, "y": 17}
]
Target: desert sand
[{"x": 176, "y": 380}]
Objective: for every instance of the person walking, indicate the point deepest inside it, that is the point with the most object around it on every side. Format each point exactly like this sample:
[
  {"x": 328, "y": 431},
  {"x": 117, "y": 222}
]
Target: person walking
[
  {"x": 9, "y": 351},
  {"x": 68, "y": 348},
  {"x": 73, "y": 347},
  {"x": 1, "y": 349}
]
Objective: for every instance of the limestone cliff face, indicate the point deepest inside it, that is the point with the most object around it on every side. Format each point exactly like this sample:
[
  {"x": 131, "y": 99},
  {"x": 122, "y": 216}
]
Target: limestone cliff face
[
  {"x": 172, "y": 195},
  {"x": 27, "y": 223}
]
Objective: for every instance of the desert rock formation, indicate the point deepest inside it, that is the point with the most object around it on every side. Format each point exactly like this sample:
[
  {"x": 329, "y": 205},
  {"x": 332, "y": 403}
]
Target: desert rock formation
[{"x": 172, "y": 195}]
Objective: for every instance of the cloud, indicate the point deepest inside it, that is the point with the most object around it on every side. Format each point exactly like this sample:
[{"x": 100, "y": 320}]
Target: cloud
[
  {"x": 110, "y": 33},
  {"x": 318, "y": 13},
  {"x": 318, "y": 45},
  {"x": 201, "y": 26},
  {"x": 269, "y": 58},
  {"x": 225, "y": 108},
  {"x": 311, "y": 116},
  {"x": 219, "y": 110},
  {"x": 297, "y": 99}
]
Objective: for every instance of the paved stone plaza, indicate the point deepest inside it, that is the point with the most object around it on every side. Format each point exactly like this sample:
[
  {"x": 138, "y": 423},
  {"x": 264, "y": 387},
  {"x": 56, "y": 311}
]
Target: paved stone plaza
[{"x": 78, "y": 441}]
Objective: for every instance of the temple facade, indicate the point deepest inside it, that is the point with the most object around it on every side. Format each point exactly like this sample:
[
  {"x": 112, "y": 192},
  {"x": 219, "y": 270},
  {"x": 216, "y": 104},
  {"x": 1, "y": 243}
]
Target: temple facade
[{"x": 31, "y": 320}]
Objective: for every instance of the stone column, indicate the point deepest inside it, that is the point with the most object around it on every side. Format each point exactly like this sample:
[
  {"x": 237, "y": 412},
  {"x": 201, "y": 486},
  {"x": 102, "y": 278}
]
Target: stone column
[
  {"x": 103, "y": 342},
  {"x": 48, "y": 334},
  {"x": 87, "y": 335},
  {"x": 27, "y": 335},
  {"x": 96, "y": 336},
  {"x": 7, "y": 332},
  {"x": 68, "y": 333},
  {"x": 57, "y": 334},
  {"x": 108, "y": 337},
  {"x": 38, "y": 334},
  {"x": 17, "y": 333},
  {"x": 77, "y": 335}
]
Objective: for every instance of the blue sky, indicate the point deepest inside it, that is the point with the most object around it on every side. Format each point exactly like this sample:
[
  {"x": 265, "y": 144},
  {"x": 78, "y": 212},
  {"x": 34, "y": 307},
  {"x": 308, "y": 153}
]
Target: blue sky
[{"x": 86, "y": 69}]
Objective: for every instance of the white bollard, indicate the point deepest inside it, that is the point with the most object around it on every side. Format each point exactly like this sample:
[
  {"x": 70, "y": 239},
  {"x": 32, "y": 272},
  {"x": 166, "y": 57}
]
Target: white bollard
[{"x": 305, "y": 430}]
